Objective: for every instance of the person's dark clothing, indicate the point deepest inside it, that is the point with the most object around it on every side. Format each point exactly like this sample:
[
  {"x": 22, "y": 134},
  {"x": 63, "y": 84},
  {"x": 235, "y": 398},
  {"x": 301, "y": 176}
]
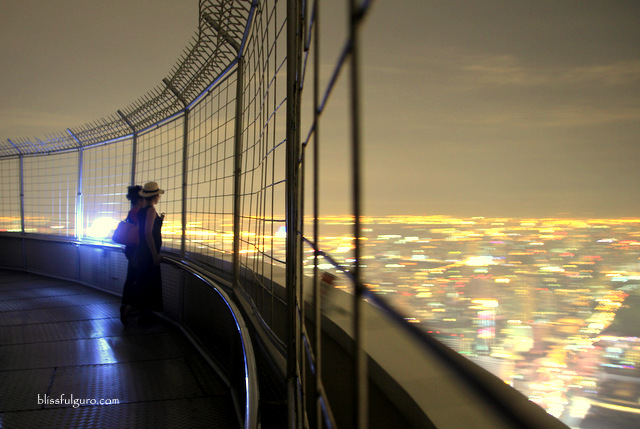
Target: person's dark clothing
[
  {"x": 129, "y": 252},
  {"x": 147, "y": 293}
]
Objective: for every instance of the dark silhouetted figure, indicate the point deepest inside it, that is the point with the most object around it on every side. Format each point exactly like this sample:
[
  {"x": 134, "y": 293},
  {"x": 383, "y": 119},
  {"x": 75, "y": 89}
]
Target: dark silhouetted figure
[
  {"x": 137, "y": 202},
  {"x": 147, "y": 291}
]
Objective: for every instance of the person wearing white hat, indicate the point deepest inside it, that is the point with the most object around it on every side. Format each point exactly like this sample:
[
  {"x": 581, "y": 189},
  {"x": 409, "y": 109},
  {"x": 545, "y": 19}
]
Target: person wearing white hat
[
  {"x": 147, "y": 293},
  {"x": 151, "y": 189}
]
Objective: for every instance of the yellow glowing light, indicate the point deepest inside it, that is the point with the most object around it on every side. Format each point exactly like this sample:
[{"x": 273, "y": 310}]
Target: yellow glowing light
[
  {"x": 480, "y": 261},
  {"x": 486, "y": 303},
  {"x": 552, "y": 269},
  {"x": 424, "y": 295}
]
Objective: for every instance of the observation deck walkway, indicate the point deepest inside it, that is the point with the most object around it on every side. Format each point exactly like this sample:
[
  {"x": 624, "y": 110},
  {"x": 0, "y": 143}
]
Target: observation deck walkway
[{"x": 62, "y": 348}]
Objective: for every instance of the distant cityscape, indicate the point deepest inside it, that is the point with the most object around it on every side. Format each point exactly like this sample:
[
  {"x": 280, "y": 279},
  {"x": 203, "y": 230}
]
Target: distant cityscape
[{"x": 551, "y": 306}]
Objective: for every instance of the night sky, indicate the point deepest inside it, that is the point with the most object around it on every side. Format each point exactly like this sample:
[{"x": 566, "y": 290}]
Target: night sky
[{"x": 471, "y": 108}]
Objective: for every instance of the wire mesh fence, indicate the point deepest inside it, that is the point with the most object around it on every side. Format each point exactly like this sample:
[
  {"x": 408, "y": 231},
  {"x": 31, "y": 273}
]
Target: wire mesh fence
[
  {"x": 261, "y": 108},
  {"x": 50, "y": 194},
  {"x": 211, "y": 176},
  {"x": 213, "y": 135},
  {"x": 159, "y": 159},
  {"x": 106, "y": 173},
  {"x": 10, "y": 191}
]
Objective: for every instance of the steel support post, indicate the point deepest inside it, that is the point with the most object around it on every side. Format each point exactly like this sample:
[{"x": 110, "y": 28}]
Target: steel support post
[
  {"x": 134, "y": 153},
  {"x": 185, "y": 174},
  {"x": 79, "y": 199},
  {"x": 134, "y": 147},
  {"x": 79, "y": 219},
  {"x": 293, "y": 209},
  {"x": 22, "y": 193},
  {"x": 237, "y": 171},
  {"x": 22, "y": 226},
  {"x": 361, "y": 408},
  {"x": 317, "y": 295}
]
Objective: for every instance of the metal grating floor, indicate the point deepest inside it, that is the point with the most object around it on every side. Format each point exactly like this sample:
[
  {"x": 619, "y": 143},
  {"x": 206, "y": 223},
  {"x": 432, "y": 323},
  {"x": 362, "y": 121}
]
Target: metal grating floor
[{"x": 62, "y": 347}]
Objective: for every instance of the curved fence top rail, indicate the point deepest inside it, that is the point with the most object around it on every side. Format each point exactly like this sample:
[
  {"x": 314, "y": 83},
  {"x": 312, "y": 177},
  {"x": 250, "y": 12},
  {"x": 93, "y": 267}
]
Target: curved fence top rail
[{"x": 214, "y": 48}]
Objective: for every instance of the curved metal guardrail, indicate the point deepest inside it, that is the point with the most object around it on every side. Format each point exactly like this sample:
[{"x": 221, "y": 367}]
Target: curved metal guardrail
[{"x": 250, "y": 386}]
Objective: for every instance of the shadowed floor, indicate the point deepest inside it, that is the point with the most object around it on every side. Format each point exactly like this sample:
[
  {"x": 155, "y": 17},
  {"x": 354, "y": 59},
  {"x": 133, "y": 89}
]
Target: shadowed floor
[{"x": 63, "y": 351}]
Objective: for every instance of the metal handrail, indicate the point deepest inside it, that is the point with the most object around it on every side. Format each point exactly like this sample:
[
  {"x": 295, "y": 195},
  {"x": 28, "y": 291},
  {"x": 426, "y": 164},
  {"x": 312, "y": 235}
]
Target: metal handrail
[{"x": 250, "y": 368}]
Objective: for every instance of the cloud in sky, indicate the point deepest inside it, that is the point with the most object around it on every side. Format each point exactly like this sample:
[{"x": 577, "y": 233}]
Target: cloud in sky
[
  {"x": 505, "y": 111},
  {"x": 78, "y": 61},
  {"x": 36, "y": 123},
  {"x": 507, "y": 70}
]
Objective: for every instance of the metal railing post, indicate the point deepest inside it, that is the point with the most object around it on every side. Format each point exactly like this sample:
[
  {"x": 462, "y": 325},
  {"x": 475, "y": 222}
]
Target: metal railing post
[
  {"x": 317, "y": 296},
  {"x": 21, "y": 172},
  {"x": 237, "y": 170},
  {"x": 185, "y": 166},
  {"x": 22, "y": 226},
  {"x": 185, "y": 175},
  {"x": 361, "y": 408},
  {"x": 292, "y": 210},
  {"x": 134, "y": 147},
  {"x": 79, "y": 200},
  {"x": 21, "y": 158},
  {"x": 79, "y": 220},
  {"x": 134, "y": 153}
]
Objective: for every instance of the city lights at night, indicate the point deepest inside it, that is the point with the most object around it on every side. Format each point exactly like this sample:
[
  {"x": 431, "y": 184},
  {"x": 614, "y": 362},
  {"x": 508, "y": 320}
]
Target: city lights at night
[
  {"x": 545, "y": 304},
  {"x": 466, "y": 168}
]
